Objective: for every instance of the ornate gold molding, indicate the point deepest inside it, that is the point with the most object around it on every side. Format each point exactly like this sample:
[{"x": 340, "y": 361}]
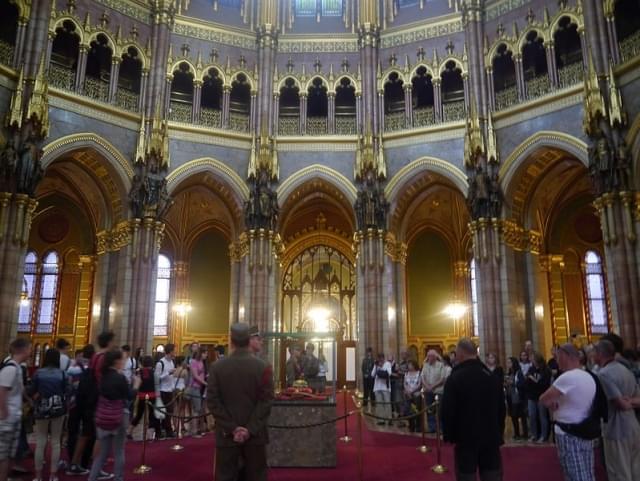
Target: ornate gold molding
[
  {"x": 304, "y": 44},
  {"x": 395, "y": 249},
  {"x": 115, "y": 239},
  {"x": 190, "y": 27},
  {"x": 521, "y": 239},
  {"x": 418, "y": 32}
]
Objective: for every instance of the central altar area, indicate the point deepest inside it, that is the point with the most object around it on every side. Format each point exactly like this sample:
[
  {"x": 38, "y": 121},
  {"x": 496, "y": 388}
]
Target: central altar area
[{"x": 302, "y": 431}]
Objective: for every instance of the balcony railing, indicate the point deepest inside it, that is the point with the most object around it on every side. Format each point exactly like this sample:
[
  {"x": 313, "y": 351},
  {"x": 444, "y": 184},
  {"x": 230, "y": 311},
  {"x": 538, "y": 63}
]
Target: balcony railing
[
  {"x": 60, "y": 77},
  {"x": 346, "y": 125},
  {"x": 180, "y": 112},
  {"x": 316, "y": 126},
  {"x": 571, "y": 74},
  {"x": 127, "y": 100},
  {"x": 630, "y": 46},
  {"x": 210, "y": 117},
  {"x": 238, "y": 122},
  {"x": 289, "y": 125},
  {"x": 538, "y": 86},
  {"x": 454, "y": 111},
  {"x": 96, "y": 89},
  {"x": 423, "y": 116},
  {"x": 506, "y": 97},
  {"x": 394, "y": 121},
  {"x": 6, "y": 53}
]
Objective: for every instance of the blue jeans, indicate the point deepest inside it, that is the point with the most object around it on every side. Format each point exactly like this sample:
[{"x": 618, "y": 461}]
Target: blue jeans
[
  {"x": 111, "y": 439},
  {"x": 538, "y": 414}
]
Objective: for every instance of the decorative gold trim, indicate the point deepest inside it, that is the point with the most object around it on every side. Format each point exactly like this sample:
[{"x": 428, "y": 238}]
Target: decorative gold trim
[
  {"x": 304, "y": 44},
  {"x": 447, "y": 169},
  {"x": 50, "y": 149},
  {"x": 198, "y": 165},
  {"x": 316, "y": 170},
  {"x": 330, "y": 143},
  {"x": 207, "y": 135},
  {"x": 194, "y": 28},
  {"x": 521, "y": 239},
  {"x": 129, "y": 8},
  {"x": 419, "y": 31},
  {"x": 423, "y": 135},
  {"x": 115, "y": 239},
  {"x": 313, "y": 238}
]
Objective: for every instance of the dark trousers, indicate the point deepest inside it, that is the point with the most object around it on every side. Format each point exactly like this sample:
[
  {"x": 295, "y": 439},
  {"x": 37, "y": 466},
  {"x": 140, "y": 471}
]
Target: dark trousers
[
  {"x": 73, "y": 430},
  {"x": 485, "y": 459},
  {"x": 167, "y": 398},
  {"x": 153, "y": 421},
  {"x": 250, "y": 460},
  {"x": 368, "y": 390}
]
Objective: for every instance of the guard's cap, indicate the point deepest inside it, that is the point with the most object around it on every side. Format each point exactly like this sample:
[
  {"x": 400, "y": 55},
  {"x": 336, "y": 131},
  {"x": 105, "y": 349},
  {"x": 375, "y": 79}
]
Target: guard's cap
[{"x": 239, "y": 333}]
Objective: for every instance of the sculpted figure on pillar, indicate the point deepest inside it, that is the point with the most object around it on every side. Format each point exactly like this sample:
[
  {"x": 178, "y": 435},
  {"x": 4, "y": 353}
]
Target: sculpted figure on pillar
[
  {"x": 261, "y": 210},
  {"x": 27, "y": 127},
  {"x": 371, "y": 204},
  {"x": 149, "y": 197}
]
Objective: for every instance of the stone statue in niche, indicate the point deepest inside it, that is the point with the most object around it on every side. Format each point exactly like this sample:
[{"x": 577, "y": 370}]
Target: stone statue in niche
[
  {"x": 371, "y": 205},
  {"x": 20, "y": 166},
  {"x": 261, "y": 210},
  {"x": 478, "y": 197},
  {"x": 609, "y": 163},
  {"x": 149, "y": 196}
]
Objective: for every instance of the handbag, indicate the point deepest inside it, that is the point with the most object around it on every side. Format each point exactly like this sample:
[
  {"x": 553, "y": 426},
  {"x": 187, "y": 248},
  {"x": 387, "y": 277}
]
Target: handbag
[
  {"x": 109, "y": 413},
  {"x": 158, "y": 410}
]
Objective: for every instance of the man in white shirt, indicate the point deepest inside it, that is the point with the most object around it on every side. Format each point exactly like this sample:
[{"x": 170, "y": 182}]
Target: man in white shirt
[
  {"x": 130, "y": 364},
  {"x": 621, "y": 432},
  {"x": 164, "y": 372},
  {"x": 63, "y": 346},
  {"x": 434, "y": 375},
  {"x": 11, "y": 387},
  {"x": 570, "y": 399},
  {"x": 381, "y": 374}
]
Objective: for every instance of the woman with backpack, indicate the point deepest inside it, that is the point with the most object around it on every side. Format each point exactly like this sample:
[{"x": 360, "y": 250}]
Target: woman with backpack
[
  {"x": 112, "y": 414},
  {"x": 149, "y": 386},
  {"x": 49, "y": 391}
]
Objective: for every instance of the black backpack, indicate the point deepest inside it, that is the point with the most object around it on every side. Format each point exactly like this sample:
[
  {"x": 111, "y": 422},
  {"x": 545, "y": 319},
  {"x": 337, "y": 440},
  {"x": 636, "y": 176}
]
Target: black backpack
[
  {"x": 590, "y": 427},
  {"x": 87, "y": 393}
]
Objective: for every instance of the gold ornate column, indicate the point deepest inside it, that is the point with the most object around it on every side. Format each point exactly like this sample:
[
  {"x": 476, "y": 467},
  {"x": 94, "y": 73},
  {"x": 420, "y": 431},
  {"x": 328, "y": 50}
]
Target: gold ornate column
[
  {"x": 81, "y": 331},
  {"x": 396, "y": 265},
  {"x": 462, "y": 289},
  {"x": 553, "y": 267}
]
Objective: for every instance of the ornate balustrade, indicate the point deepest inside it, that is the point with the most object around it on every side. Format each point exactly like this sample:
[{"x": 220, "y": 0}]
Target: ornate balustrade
[
  {"x": 454, "y": 111},
  {"x": 506, "y": 97},
  {"x": 630, "y": 46},
  {"x": 211, "y": 117},
  {"x": 316, "y": 126},
  {"x": 346, "y": 125},
  {"x": 60, "y": 77},
  {"x": 572, "y": 74},
  {"x": 96, "y": 89},
  {"x": 6, "y": 53},
  {"x": 127, "y": 100},
  {"x": 238, "y": 122},
  {"x": 288, "y": 125},
  {"x": 180, "y": 112},
  {"x": 538, "y": 86},
  {"x": 394, "y": 121},
  {"x": 423, "y": 116}
]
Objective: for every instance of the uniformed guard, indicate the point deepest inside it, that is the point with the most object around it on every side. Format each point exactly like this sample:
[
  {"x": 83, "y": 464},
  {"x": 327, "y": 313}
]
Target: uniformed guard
[{"x": 239, "y": 395}]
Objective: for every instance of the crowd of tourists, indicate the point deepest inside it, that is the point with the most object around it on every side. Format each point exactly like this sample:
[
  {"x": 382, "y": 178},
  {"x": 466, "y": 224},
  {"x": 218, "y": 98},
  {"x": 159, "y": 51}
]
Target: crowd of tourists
[
  {"x": 579, "y": 398},
  {"x": 85, "y": 405}
]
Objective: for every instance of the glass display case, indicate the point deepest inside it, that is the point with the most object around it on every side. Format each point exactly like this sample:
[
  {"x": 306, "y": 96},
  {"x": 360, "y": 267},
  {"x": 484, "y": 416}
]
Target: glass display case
[{"x": 304, "y": 365}]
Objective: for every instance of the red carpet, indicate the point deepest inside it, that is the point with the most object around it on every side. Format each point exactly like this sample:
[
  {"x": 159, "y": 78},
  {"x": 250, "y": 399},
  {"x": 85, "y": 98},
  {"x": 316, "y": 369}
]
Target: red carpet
[{"x": 387, "y": 457}]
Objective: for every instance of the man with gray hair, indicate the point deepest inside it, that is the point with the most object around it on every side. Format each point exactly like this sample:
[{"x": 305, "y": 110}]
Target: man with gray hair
[
  {"x": 621, "y": 433},
  {"x": 433, "y": 378},
  {"x": 473, "y": 413}
]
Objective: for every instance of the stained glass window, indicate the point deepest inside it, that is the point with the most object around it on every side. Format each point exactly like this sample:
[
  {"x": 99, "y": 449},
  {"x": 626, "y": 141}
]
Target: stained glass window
[
  {"x": 474, "y": 298},
  {"x": 28, "y": 292},
  {"x": 596, "y": 293},
  {"x": 163, "y": 289},
  {"x": 311, "y": 8},
  {"x": 48, "y": 293}
]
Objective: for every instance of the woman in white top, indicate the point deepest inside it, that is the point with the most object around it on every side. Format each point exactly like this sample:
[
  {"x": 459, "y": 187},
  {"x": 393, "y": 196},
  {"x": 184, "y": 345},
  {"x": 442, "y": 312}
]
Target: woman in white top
[
  {"x": 382, "y": 388},
  {"x": 412, "y": 388}
]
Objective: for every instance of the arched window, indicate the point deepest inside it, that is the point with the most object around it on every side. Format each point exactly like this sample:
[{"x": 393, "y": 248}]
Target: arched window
[
  {"x": 98, "y": 72},
  {"x": 313, "y": 8},
  {"x": 28, "y": 292},
  {"x": 345, "y": 107},
  {"x": 48, "y": 292},
  {"x": 317, "y": 108},
  {"x": 596, "y": 293},
  {"x": 64, "y": 56},
  {"x": 129, "y": 80},
  {"x": 181, "y": 100},
  {"x": 163, "y": 285},
  {"x": 474, "y": 298},
  {"x": 394, "y": 103},
  {"x": 240, "y": 104},
  {"x": 8, "y": 33}
]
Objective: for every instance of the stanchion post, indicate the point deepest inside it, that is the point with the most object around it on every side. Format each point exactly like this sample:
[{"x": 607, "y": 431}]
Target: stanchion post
[
  {"x": 143, "y": 468},
  {"x": 346, "y": 438},
  {"x": 423, "y": 448},
  {"x": 439, "y": 468},
  {"x": 359, "y": 405},
  {"x": 178, "y": 446}
]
